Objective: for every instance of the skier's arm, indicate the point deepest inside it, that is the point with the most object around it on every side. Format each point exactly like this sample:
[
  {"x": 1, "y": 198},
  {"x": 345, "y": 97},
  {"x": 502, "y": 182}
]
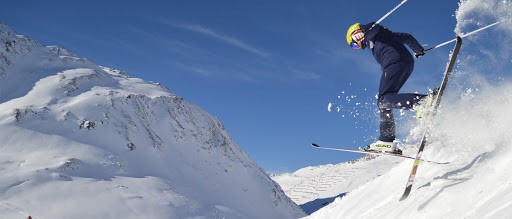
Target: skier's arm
[
  {"x": 370, "y": 34},
  {"x": 410, "y": 41}
]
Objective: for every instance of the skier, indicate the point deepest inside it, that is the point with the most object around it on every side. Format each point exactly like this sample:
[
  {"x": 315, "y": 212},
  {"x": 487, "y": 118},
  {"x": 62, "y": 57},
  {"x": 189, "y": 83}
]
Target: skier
[{"x": 397, "y": 65}]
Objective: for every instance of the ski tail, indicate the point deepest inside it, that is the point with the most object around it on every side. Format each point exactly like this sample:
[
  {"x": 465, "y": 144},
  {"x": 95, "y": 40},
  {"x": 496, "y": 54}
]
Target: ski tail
[
  {"x": 406, "y": 192},
  {"x": 447, "y": 74}
]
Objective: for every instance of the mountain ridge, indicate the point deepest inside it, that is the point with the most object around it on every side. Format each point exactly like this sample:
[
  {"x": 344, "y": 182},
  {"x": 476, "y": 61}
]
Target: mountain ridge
[{"x": 70, "y": 126}]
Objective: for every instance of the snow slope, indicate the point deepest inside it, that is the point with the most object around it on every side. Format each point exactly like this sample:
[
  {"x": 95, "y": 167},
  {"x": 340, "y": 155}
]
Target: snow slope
[
  {"x": 312, "y": 187},
  {"x": 472, "y": 131},
  {"x": 477, "y": 183},
  {"x": 83, "y": 141}
]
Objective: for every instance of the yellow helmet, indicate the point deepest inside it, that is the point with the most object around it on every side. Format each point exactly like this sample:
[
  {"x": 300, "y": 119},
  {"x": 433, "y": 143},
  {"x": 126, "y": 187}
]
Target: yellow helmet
[{"x": 351, "y": 30}]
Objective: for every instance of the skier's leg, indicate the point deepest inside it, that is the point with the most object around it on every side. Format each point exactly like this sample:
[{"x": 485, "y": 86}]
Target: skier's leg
[
  {"x": 401, "y": 101},
  {"x": 392, "y": 79},
  {"x": 387, "y": 125}
]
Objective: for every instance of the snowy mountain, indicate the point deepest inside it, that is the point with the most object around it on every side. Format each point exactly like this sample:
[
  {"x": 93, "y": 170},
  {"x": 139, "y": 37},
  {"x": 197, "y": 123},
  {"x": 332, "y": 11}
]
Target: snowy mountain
[
  {"x": 314, "y": 187},
  {"x": 85, "y": 141},
  {"x": 471, "y": 131}
]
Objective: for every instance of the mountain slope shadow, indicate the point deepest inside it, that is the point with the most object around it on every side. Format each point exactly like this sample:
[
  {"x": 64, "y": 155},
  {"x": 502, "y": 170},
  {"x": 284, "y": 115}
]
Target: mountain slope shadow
[
  {"x": 315, "y": 205},
  {"x": 455, "y": 181}
]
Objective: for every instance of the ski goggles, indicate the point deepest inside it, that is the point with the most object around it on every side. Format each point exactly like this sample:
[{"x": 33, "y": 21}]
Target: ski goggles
[{"x": 354, "y": 45}]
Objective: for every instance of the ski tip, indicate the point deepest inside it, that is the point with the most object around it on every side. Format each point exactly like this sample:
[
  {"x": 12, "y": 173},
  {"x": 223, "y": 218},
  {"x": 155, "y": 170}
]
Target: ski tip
[
  {"x": 315, "y": 145},
  {"x": 406, "y": 193}
]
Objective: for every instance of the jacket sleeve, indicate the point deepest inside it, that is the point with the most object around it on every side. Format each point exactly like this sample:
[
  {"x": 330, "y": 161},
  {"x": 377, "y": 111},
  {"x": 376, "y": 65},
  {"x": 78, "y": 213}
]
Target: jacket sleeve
[
  {"x": 410, "y": 41},
  {"x": 370, "y": 34}
]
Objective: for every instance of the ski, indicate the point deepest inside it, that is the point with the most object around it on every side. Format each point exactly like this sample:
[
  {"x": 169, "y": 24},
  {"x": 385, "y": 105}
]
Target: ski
[
  {"x": 372, "y": 152},
  {"x": 433, "y": 110}
]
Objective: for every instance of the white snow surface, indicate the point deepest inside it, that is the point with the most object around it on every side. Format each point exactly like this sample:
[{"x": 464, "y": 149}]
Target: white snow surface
[
  {"x": 328, "y": 181},
  {"x": 476, "y": 184},
  {"x": 83, "y": 141},
  {"x": 472, "y": 130}
]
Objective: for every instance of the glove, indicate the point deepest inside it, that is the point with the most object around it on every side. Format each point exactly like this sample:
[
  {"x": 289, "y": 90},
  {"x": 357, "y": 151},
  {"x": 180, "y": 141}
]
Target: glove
[
  {"x": 358, "y": 36},
  {"x": 419, "y": 54}
]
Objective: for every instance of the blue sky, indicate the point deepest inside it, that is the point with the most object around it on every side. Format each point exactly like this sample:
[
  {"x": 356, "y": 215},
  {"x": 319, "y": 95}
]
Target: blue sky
[{"x": 267, "y": 69}]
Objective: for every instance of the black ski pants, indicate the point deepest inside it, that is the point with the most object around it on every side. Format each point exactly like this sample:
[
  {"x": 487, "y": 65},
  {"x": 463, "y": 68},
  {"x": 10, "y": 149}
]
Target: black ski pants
[{"x": 392, "y": 80}]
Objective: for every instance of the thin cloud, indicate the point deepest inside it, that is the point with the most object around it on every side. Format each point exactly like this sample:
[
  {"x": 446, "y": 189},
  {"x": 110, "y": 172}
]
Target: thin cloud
[{"x": 224, "y": 38}]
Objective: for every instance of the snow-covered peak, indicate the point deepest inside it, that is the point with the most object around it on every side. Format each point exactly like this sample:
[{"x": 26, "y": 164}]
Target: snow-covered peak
[
  {"x": 85, "y": 141},
  {"x": 61, "y": 51},
  {"x": 5, "y": 29}
]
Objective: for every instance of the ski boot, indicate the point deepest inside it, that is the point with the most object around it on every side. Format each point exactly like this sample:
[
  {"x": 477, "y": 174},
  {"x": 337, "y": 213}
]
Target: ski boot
[
  {"x": 422, "y": 109},
  {"x": 384, "y": 147}
]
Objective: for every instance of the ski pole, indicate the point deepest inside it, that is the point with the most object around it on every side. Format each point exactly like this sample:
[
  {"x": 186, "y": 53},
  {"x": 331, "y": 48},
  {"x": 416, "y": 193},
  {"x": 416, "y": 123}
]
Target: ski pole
[
  {"x": 386, "y": 15},
  {"x": 462, "y": 36}
]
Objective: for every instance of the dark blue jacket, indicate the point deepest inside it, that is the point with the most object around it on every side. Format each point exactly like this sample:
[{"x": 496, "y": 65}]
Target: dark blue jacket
[{"x": 388, "y": 47}]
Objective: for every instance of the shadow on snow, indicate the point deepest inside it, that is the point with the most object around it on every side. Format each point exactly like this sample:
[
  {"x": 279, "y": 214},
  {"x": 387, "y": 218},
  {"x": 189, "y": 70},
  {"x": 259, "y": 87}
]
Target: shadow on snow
[{"x": 317, "y": 204}]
